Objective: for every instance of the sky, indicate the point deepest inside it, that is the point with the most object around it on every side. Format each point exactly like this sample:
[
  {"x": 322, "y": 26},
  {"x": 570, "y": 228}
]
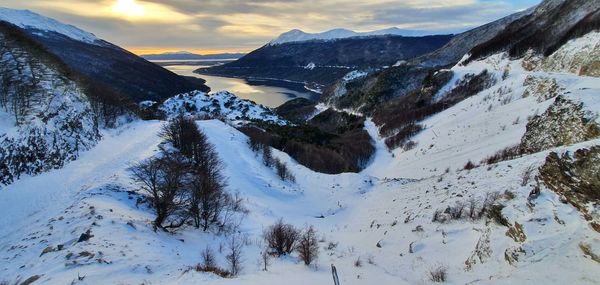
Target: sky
[{"x": 215, "y": 26}]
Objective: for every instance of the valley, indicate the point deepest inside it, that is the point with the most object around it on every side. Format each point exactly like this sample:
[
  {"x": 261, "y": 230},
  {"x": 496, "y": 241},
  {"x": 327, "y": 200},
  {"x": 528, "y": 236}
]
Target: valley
[{"x": 418, "y": 158}]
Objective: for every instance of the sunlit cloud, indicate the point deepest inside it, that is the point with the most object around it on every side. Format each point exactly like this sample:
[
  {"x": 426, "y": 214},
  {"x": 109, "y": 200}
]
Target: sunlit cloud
[{"x": 129, "y": 8}]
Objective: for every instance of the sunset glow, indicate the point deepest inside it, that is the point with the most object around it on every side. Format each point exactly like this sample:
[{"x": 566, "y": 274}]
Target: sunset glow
[
  {"x": 129, "y": 8},
  {"x": 213, "y": 26}
]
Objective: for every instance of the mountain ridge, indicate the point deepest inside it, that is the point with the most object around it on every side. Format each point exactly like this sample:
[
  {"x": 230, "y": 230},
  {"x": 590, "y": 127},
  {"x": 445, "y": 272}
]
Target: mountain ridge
[
  {"x": 297, "y": 35},
  {"x": 185, "y": 55}
]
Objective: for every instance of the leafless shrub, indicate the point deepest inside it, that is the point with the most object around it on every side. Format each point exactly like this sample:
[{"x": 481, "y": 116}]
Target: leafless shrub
[
  {"x": 265, "y": 259},
  {"x": 208, "y": 258},
  {"x": 358, "y": 262},
  {"x": 332, "y": 245},
  {"x": 438, "y": 274},
  {"x": 234, "y": 256},
  {"x": 281, "y": 238},
  {"x": 283, "y": 172},
  {"x": 215, "y": 270},
  {"x": 371, "y": 260},
  {"x": 437, "y": 216},
  {"x": 470, "y": 165},
  {"x": 267, "y": 156},
  {"x": 457, "y": 211},
  {"x": 489, "y": 208},
  {"x": 472, "y": 204},
  {"x": 308, "y": 246},
  {"x": 503, "y": 155},
  {"x": 526, "y": 175},
  {"x": 409, "y": 145}
]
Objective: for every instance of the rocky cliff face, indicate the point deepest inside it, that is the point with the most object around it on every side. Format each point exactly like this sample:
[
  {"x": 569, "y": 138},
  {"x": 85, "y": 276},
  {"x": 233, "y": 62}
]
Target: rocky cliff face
[
  {"x": 575, "y": 177},
  {"x": 564, "y": 123}
]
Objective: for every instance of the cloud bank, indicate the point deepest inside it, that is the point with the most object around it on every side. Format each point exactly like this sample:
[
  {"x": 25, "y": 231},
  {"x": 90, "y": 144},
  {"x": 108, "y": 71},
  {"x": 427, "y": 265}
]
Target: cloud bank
[{"x": 239, "y": 25}]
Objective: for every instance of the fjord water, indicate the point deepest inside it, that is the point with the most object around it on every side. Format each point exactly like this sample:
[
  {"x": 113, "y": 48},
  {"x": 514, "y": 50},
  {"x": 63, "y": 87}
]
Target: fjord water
[{"x": 271, "y": 93}]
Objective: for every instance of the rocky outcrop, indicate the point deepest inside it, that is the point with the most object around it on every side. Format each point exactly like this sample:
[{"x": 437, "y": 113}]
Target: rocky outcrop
[
  {"x": 564, "y": 123},
  {"x": 575, "y": 177},
  {"x": 543, "y": 88}
]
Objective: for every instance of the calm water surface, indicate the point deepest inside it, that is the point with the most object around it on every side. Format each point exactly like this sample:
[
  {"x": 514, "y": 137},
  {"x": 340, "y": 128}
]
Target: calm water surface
[{"x": 271, "y": 93}]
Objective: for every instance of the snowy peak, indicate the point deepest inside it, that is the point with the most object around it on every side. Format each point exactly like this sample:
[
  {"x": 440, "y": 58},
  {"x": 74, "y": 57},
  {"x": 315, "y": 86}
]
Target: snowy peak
[
  {"x": 296, "y": 35},
  {"x": 28, "y": 20}
]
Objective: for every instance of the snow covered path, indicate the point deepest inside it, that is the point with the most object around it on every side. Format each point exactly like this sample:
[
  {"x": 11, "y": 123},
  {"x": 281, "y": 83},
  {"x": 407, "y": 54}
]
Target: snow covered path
[{"x": 42, "y": 196}]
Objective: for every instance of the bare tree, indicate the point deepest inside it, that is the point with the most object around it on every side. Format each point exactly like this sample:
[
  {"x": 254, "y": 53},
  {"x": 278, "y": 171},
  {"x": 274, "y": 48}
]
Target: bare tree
[
  {"x": 234, "y": 256},
  {"x": 308, "y": 246},
  {"x": 267, "y": 156},
  {"x": 265, "y": 259},
  {"x": 162, "y": 179},
  {"x": 208, "y": 258},
  {"x": 281, "y": 238},
  {"x": 283, "y": 172}
]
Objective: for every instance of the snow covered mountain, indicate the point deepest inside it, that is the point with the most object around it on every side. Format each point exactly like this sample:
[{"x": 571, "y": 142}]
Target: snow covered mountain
[
  {"x": 105, "y": 63},
  {"x": 43, "y": 25},
  {"x": 335, "y": 34},
  {"x": 324, "y": 62},
  {"x": 486, "y": 173}
]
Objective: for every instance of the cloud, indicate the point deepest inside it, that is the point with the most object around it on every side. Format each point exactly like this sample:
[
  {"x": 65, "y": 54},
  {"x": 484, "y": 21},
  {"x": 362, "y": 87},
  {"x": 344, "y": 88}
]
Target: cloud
[{"x": 242, "y": 25}]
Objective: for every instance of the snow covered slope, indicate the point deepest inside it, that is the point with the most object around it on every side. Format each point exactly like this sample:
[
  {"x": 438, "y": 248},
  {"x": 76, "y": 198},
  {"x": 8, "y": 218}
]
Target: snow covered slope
[
  {"x": 32, "y": 21},
  {"x": 300, "y": 36}
]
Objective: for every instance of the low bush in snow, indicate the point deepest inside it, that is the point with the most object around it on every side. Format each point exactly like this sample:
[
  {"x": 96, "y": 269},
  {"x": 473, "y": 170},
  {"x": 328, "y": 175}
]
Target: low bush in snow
[
  {"x": 438, "y": 274},
  {"x": 281, "y": 238}
]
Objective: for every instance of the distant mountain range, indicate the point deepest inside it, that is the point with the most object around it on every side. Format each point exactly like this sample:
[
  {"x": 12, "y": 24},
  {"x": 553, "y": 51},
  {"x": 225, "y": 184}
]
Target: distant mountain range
[
  {"x": 298, "y": 56},
  {"x": 335, "y": 34},
  {"x": 184, "y": 55}
]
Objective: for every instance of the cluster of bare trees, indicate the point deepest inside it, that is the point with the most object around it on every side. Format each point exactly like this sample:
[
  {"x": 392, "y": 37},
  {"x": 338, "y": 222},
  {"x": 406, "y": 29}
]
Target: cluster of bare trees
[
  {"x": 281, "y": 167},
  {"x": 20, "y": 79},
  {"x": 234, "y": 257},
  {"x": 474, "y": 209},
  {"x": 283, "y": 239},
  {"x": 185, "y": 182}
]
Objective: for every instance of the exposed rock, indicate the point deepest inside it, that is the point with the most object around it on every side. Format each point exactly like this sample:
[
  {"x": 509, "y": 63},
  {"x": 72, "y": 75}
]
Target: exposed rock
[
  {"x": 543, "y": 88},
  {"x": 564, "y": 123},
  {"x": 85, "y": 236},
  {"x": 516, "y": 232},
  {"x": 580, "y": 56},
  {"x": 575, "y": 177},
  {"x": 30, "y": 280}
]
